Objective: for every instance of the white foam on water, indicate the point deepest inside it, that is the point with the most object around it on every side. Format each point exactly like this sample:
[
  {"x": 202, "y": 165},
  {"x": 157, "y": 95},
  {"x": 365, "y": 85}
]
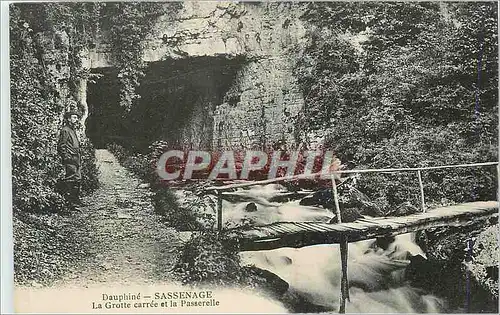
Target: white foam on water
[{"x": 376, "y": 276}]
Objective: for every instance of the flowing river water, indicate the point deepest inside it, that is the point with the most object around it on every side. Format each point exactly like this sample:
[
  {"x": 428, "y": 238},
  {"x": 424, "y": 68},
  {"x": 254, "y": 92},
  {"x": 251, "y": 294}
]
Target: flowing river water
[{"x": 376, "y": 275}]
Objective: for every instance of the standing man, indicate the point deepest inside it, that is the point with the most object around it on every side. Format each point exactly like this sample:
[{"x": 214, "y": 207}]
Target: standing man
[{"x": 69, "y": 150}]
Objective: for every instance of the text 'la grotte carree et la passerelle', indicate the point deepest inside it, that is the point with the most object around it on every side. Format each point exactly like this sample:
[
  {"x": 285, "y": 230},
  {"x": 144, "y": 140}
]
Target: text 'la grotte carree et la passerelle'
[{"x": 156, "y": 300}]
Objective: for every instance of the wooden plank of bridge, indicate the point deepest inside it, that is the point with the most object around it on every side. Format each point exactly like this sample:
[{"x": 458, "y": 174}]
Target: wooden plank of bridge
[
  {"x": 299, "y": 234},
  {"x": 293, "y": 227},
  {"x": 269, "y": 231},
  {"x": 319, "y": 226},
  {"x": 281, "y": 228}
]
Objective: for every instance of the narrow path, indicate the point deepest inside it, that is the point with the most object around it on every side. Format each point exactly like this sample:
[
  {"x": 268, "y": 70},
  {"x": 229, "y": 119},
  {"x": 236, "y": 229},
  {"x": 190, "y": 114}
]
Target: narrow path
[{"x": 126, "y": 242}]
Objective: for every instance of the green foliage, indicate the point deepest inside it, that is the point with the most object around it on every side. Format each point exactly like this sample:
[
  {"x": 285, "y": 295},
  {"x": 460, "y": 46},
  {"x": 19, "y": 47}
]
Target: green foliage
[
  {"x": 129, "y": 23},
  {"x": 190, "y": 216},
  {"x": 139, "y": 164},
  {"x": 34, "y": 133},
  {"x": 74, "y": 25},
  {"x": 37, "y": 103},
  {"x": 404, "y": 85},
  {"x": 46, "y": 247},
  {"x": 166, "y": 204},
  {"x": 210, "y": 258},
  {"x": 118, "y": 151}
]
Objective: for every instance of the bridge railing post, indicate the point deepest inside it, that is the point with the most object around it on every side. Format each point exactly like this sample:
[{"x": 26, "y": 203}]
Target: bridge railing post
[
  {"x": 422, "y": 197},
  {"x": 498, "y": 178},
  {"x": 219, "y": 210},
  {"x": 336, "y": 199}
]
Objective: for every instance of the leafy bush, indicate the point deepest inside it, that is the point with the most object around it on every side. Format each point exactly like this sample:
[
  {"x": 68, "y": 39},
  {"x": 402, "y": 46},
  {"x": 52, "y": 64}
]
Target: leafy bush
[
  {"x": 408, "y": 95},
  {"x": 210, "y": 258},
  {"x": 34, "y": 116},
  {"x": 139, "y": 164},
  {"x": 129, "y": 22},
  {"x": 38, "y": 100},
  {"x": 190, "y": 216},
  {"x": 46, "y": 247},
  {"x": 118, "y": 151}
]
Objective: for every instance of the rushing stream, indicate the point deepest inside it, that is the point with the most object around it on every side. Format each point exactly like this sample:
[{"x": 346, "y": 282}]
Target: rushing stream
[{"x": 376, "y": 276}]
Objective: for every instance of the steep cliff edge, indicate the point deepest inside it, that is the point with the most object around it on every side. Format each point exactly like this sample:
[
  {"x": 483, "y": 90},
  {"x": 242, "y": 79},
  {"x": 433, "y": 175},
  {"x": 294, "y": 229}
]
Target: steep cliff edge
[{"x": 462, "y": 264}]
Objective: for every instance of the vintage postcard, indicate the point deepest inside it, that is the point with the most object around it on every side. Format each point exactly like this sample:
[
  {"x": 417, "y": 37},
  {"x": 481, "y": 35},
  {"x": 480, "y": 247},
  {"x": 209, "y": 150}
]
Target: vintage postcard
[{"x": 254, "y": 157}]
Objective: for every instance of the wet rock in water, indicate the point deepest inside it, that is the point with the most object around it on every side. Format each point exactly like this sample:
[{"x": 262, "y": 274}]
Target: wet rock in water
[
  {"x": 404, "y": 209},
  {"x": 348, "y": 198},
  {"x": 422, "y": 273},
  {"x": 267, "y": 281},
  {"x": 361, "y": 201},
  {"x": 251, "y": 207},
  {"x": 308, "y": 201},
  {"x": 297, "y": 303},
  {"x": 319, "y": 198},
  {"x": 286, "y": 197},
  {"x": 384, "y": 242},
  {"x": 347, "y": 215},
  {"x": 288, "y": 261},
  {"x": 234, "y": 197}
]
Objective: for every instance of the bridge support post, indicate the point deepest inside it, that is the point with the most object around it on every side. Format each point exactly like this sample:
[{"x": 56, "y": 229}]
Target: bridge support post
[
  {"x": 219, "y": 210},
  {"x": 344, "y": 284}
]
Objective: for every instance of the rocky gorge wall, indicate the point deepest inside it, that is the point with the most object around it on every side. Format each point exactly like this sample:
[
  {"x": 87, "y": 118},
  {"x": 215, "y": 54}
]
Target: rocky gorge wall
[
  {"x": 461, "y": 265},
  {"x": 259, "y": 106}
]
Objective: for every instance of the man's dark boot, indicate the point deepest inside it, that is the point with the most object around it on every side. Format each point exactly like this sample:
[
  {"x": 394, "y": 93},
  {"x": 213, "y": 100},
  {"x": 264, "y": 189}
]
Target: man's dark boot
[
  {"x": 65, "y": 188},
  {"x": 76, "y": 190}
]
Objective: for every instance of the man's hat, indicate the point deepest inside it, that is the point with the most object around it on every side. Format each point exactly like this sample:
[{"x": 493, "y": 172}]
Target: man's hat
[{"x": 70, "y": 113}]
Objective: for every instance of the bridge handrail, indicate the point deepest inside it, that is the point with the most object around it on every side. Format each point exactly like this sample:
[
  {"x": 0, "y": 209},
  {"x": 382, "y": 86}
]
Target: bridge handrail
[
  {"x": 376, "y": 170},
  {"x": 335, "y": 175}
]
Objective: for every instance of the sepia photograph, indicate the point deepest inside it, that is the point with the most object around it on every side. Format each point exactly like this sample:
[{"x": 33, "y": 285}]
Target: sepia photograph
[{"x": 254, "y": 157}]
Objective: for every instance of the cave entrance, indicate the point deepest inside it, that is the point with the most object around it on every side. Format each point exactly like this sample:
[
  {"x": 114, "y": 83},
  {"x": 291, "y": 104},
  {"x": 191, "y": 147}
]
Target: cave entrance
[{"x": 177, "y": 100}]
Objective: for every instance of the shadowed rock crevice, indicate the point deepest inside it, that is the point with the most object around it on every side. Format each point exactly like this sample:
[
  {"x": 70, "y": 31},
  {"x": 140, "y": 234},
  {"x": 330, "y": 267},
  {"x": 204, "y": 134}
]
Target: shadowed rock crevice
[{"x": 177, "y": 103}]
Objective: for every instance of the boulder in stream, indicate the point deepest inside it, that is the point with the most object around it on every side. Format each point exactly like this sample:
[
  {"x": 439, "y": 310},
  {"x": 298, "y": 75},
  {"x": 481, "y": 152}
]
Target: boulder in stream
[
  {"x": 267, "y": 281},
  {"x": 251, "y": 207}
]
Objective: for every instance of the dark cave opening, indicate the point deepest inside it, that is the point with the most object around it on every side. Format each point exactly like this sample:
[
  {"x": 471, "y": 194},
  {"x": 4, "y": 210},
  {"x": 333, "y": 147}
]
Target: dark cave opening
[{"x": 177, "y": 100}]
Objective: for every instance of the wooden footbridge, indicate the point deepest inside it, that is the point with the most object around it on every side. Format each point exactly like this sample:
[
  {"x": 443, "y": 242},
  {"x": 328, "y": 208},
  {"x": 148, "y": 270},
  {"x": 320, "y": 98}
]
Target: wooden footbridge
[{"x": 299, "y": 234}]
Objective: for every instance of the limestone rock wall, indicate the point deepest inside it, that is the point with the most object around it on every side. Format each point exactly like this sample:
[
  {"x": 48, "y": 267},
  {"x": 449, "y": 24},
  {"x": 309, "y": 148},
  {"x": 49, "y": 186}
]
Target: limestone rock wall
[
  {"x": 55, "y": 55},
  {"x": 259, "y": 107}
]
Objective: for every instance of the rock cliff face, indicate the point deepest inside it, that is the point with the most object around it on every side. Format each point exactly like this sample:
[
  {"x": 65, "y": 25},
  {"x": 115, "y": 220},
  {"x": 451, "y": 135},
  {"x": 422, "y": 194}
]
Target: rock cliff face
[
  {"x": 54, "y": 53},
  {"x": 462, "y": 265},
  {"x": 258, "y": 106}
]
